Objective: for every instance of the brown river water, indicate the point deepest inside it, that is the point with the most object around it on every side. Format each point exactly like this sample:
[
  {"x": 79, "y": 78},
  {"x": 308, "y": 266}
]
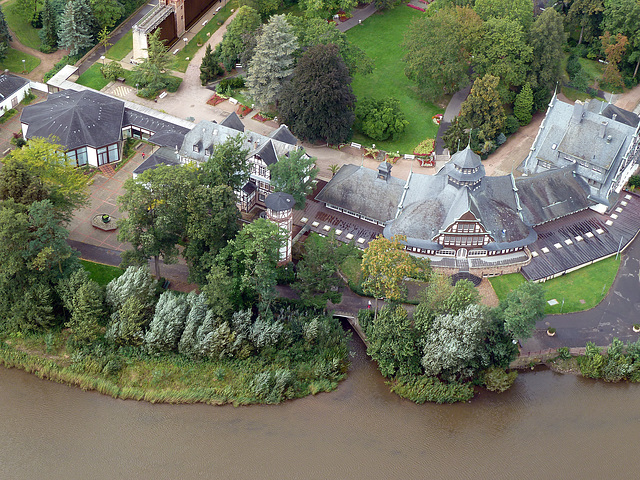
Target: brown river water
[{"x": 547, "y": 426}]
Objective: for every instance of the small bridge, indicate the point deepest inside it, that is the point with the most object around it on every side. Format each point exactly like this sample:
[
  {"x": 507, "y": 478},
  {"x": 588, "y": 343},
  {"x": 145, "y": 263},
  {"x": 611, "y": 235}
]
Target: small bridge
[{"x": 353, "y": 321}]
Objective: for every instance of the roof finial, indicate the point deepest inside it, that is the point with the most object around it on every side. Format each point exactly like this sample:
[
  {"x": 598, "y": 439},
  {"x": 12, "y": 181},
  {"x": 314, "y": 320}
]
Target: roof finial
[{"x": 469, "y": 144}]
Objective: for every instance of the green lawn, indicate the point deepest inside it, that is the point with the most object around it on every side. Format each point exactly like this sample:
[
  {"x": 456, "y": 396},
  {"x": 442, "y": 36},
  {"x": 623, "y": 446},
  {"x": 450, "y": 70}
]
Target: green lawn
[
  {"x": 380, "y": 36},
  {"x": 19, "y": 24},
  {"x": 593, "y": 68},
  {"x": 93, "y": 78},
  {"x": 590, "y": 284},
  {"x": 122, "y": 47},
  {"x": 181, "y": 63},
  {"x": 13, "y": 61},
  {"x": 100, "y": 273}
]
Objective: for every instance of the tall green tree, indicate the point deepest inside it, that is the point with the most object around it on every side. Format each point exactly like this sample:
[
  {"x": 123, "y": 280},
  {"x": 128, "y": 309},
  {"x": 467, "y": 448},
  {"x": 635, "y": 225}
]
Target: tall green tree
[
  {"x": 49, "y": 32},
  {"x": 76, "y": 27},
  {"x": 503, "y": 52},
  {"x": 547, "y": 39},
  {"x": 227, "y": 164},
  {"x": 255, "y": 253},
  {"x": 614, "y": 47},
  {"x": 272, "y": 62},
  {"x": 152, "y": 71},
  {"x": 483, "y": 107},
  {"x": 87, "y": 311},
  {"x": 106, "y": 12},
  {"x": 318, "y": 103},
  {"x": 439, "y": 48},
  {"x": 294, "y": 173},
  {"x": 212, "y": 220},
  {"x": 522, "y": 308},
  {"x": 623, "y": 16},
  {"x": 316, "y": 31},
  {"x": 316, "y": 272},
  {"x": 18, "y": 183},
  {"x": 380, "y": 119},
  {"x": 238, "y": 36},
  {"x": 5, "y": 36},
  {"x": 210, "y": 68},
  {"x": 325, "y": 8},
  {"x": 586, "y": 15},
  {"x": 155, "y": 222},
  {"x": 392, "y": 342},
  {"x": 519, "y": 10},
  {"x": 264, "y": 7},
  {"x": 43, "y": 159},
  {"x": 523, "y": 105}
]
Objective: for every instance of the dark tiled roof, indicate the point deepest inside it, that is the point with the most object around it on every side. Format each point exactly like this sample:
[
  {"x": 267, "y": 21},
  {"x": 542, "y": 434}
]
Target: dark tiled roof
[
  {"x": 249, "y": 188},
  {"x": 284, "y": 135},
  {"x": 590, "y": 244},
  {"x": 609, "y": 110},
  {"x": 163, "y": 156},
  {"x": 233, "y": 121},
  {"x": 279, "y": 201},
  {"x": 359, "y": 190},
  {"x": 466, "y": 158},
  {"x": 267, "y": 153},
  {"x": 77, "y": 119},
  {"x": 10, "y": 84},
  {"x": 550, "y": 195},
  {"x": 169, "y": 138},
  {"x": 148, "y": 122}
]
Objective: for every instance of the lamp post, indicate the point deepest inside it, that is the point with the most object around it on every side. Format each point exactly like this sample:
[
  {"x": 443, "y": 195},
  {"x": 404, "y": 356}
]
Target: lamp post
[
  {"x": 24, "y": 68},
  {"x": 137, "y": 89},
  {"x": 102, "y": 57}
]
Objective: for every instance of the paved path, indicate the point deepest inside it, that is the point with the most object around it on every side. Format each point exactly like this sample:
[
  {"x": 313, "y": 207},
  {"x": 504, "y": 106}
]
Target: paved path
[
  {"x": 451, "y": 112},
  {"x": 359, "y": 15}
]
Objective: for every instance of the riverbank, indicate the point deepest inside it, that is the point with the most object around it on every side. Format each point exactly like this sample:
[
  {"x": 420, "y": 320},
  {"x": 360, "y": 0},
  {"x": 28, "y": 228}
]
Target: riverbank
[{"x": 130, "y": 374}]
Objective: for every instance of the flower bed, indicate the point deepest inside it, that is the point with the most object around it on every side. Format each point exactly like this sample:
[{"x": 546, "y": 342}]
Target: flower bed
[
  {"x": 243, "y": 110},
  {"x": 215, "y": 100},
  {"x": 425, "y": 147},
  {"x": 437, "y": 118},
  {"x": 392, "y": 159},
  {"x": 371, "y": 152},
  {"x": 417, "y": 8},
  {"x": 260, "y": 118}
]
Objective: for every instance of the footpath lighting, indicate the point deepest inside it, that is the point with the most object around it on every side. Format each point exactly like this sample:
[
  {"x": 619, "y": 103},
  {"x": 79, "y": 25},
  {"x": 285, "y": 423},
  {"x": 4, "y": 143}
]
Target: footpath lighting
[{"x": 24, "y": 68}]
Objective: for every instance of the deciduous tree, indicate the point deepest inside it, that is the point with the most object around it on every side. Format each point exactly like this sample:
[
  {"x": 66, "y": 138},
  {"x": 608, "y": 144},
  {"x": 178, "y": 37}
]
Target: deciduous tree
[
  {"x": 519, "y": 10},
  {"x": 522, "y": 308},
  {"x": 380, "y": 119},
  {"x": 272, "y": 62},
  {"x": 483, "y": 107},
  {"x": 613, "y": 47},
  {"x": 106, "y": 12},
  {"x": 623, "y": 16},
  {"x": 294, "y": 173},
  {"x": 227, "y": 164},
  {"x": 318, "y": 102},
  {"x": 155, "y": 206},
  {"x": 317, "y": 270},
  {"x": 236, "y": 38},
  {"x": 586, "y": 14},
  {"x": 439, "y": 48},
  {"x": 324, "y": 8}
]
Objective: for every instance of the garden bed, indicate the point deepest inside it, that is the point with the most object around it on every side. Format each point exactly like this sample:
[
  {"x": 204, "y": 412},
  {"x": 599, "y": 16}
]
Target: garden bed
[
  {"x": 243, "y": 110},
  {"x": 216, "y": 99}
]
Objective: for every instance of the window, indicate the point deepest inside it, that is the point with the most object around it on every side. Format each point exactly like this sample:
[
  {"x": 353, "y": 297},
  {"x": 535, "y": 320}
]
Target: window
[
  {"x": 113, "y": 152},
  {"x": 196, "y": 148},
  {"x": 102, "y": 156}
]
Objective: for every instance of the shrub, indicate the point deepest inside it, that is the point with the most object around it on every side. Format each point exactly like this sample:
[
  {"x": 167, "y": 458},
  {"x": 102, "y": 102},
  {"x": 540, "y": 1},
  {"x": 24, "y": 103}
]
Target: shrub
[
  {"x": 634, "y": 181},
  {"x": 425, "y": 147},
  {"x": 112, "y": 70},
  {"x": 380, "y": 119},
  {"x": 430, "y": 389},
  {"x": 511, "y": 125},
  {"x": 573, "y": 66},
  {"x": 563, "y": 353},
  {"x": 231, "y": 83},
  {"x": 498, "y": 380},
  {"x": 172, "y": 84}
]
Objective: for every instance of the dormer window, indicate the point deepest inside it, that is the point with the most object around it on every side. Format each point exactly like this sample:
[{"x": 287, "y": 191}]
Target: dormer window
[
  {"x": 196, "y": 148},
  {"x": 207, "y": 151}
]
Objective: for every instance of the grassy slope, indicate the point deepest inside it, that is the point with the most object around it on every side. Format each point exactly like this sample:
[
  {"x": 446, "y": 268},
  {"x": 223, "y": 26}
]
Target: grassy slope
[
  {"x": 93, "y": 77},
  {"x": 584, "y": 284},
  {"x": 380, "y": 36},
  {"x": 13, "y": 61},
  {"x": 19, "y": 24}
]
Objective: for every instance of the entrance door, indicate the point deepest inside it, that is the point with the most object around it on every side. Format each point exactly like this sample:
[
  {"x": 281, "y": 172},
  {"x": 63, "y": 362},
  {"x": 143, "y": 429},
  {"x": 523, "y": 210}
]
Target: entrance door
[{"x": 462, "y": 253}]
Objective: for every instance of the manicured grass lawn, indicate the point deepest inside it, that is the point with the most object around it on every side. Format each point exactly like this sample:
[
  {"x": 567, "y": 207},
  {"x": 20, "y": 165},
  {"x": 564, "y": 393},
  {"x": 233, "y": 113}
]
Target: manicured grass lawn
[
  {"x": 593, "y": 68},
  {"x": 100, "y": 273},
  {"x": 93, "y": 77},
  {"x": 13, "y": 61},
  {"x": 19, "y": 24},
  {"x": 381, "y": 36},
  {"x": 122, "y": 47},
  {"x": 181, "y": 63},
  {"x": 584, "y": 284}
]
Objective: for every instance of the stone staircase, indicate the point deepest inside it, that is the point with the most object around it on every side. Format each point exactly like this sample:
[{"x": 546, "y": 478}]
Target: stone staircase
[{"x": 455, "y": 278}]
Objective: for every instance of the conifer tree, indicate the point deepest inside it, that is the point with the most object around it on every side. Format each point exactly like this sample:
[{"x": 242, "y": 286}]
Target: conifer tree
[
  {"x": 87, "y": 309},
  {"x": 524, "y": 104},
  {"x": 210, "y": 68},
  {"x": 49, "y": 32},
  {"x": 76, "y": 27},
  {"x": 483, "y": 107},
  {"x": 5, "y": 36},
  {"x": 272, "y": 62}
]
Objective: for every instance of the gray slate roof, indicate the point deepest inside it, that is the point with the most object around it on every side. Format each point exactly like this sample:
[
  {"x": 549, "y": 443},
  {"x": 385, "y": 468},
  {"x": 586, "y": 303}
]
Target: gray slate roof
[
  {"x": 609, "y": 110},
  {"x": 162, "y": 156},
  {"x": 166, "y": 134},
  {"x": 279, "y": 201},
  {"x": 10, "y": 84},
  {"x": 283, "y": 134},
  {"x": 77, "y": 119},
  {"x": 466, "y": 158},
  {"x": 551, "y": 195},
  {"x": 233, "y": 121},
  {"x": 359, "y": 190}
]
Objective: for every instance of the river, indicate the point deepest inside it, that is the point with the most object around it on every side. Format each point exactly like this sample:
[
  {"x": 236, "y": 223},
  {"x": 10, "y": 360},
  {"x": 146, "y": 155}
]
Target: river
[{"x": 547, "y": 426}]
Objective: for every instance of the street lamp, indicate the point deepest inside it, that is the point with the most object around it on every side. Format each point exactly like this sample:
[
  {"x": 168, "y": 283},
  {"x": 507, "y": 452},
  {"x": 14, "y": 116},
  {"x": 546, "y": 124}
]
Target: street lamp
[
  {"x": 102, "y": 57},
  {"x": 136, "y": 89},
  {"x": 24, "y": 68}
]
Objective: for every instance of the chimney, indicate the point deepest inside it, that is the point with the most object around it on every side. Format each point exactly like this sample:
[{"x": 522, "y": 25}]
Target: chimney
[
  {"x": 578, "y": 111},
  {"x": 609, "y": 138},
  {"x": 384, "y": 171},
  {"x": 603, "y": 129}
]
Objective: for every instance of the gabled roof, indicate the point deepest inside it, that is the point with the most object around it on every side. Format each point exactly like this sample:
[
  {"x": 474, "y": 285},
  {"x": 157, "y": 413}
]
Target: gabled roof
[
  {"x": 163, "y": 156},
  {"x": 608, "y": 110},
  {"x": 233, "y": 121},
  {"x": 283, "y": 134},
  {"x": 359, "y": 190},
  {"x": 10, "y": 84},
  {"x": 77, "y": 119},
  {"x": 551, "y": 195},
  {"x": 267, "y": 153}
]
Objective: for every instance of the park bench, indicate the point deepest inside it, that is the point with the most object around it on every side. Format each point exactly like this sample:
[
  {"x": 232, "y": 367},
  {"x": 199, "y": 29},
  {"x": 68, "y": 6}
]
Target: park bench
[
  {"x": 121, "y": 79},
  {"x": 162, "y": 95}
]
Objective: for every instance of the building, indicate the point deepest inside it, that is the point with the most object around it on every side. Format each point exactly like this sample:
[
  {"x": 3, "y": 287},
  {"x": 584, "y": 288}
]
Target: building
[
  {"x": 598, "y": 141},
  {"x": 13, "y": 89},
  {"x": 280, "y": 211}
]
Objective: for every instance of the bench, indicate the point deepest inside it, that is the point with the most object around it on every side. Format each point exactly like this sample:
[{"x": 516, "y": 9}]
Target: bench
[
  {"x": 218, "y": 9},
  {"x": 121, "y": 79},
  {"x": 162, "y": 95},
  {"x": 6, "y": 151},
  {"x": 176, "y": 51},
  {"x": 205, "y": 22},
  {"x": 166, "y": 284},
  {"x": 233, "y": 101},
  {"x": 356, "y": 145}
]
